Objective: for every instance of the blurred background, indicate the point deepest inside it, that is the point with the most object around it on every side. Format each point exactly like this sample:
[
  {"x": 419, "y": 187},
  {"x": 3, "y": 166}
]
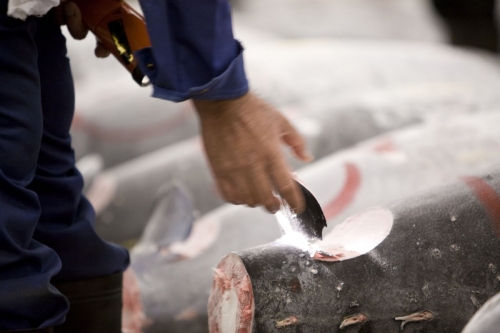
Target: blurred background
[
  {"x": 402, "y": 93},
  {"x": 117, "y": 122}
]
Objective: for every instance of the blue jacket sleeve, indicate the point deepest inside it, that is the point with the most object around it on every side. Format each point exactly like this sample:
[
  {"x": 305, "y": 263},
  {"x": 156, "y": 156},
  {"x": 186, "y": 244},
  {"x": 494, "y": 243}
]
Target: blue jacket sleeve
[{"x": 193, "y": 53}]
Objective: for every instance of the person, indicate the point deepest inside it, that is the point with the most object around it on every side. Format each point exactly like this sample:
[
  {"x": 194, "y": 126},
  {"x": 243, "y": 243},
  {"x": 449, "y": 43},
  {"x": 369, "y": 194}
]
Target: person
[{"x": 51, "y": 259}]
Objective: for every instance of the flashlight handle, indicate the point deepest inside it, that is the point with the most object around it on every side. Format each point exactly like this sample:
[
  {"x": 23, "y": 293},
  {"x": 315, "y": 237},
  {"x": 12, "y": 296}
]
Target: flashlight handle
[{"x": 119, "y": 28}]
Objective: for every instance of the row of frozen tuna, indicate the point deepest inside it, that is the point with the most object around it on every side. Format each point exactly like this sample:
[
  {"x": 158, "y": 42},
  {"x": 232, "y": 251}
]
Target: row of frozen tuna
[
  {"x": 336, "y": 93},
  {"x": 367, "y": 86},
  {"x": 443, "y": 103},
  {"x": 437, "y": 241}
]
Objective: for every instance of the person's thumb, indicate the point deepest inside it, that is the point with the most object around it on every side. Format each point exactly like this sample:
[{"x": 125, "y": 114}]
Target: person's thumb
[
  {"x": 100, "y": 51},
  {"x": 73, "y": 19}
]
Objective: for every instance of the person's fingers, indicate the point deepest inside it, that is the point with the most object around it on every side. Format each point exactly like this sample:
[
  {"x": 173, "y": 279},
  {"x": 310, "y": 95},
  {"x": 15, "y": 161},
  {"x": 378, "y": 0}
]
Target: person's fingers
[
  {"x": 101, "y": 51},
  {"x": 292, "y": 138},
  {"x": 286, "y": 186},
  {"x": 243, "y": 189},
  {"x": 262, "y": 191},
  {"x": 227, "y": 191},
  {"x": 73, "y": 19}
]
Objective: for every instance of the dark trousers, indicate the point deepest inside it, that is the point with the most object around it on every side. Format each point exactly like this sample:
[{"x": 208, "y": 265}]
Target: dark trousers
[{"x": 46, "y": 231}]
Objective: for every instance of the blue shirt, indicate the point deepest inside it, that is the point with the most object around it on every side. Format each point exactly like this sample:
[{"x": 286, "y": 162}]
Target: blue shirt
[{"x": 193, "y": 53}]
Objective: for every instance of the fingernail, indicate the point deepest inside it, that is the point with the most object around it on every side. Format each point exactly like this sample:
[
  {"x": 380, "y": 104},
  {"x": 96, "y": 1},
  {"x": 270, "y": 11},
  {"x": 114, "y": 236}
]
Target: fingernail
[{"x": 309, "y": 156}]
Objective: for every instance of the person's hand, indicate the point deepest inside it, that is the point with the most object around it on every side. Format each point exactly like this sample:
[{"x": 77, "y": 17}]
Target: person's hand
[
  {"x": 243, "y": 139},
  {"x": 68, "y": 13}
]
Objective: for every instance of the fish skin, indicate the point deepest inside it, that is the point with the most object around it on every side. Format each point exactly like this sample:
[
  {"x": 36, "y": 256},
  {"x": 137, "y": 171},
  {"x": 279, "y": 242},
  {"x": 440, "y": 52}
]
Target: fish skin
[{"x": 175, "y": 209}]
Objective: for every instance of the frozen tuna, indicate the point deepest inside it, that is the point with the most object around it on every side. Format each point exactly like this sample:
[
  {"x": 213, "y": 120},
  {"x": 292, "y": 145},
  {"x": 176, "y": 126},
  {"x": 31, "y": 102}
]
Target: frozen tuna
[
  {"x": 364, "y": 175},
  {"x": 386, "y": 19},
  {"x": 347, "y": 92},
  {"x": 420, "y": 265},
  {"x": 367, "y": 87},
  {"x": 373, "y": 173},
  {"x": 294, "y": 72},
  {"x": 120, "y": 121},
  {"x": 123, "y": 196}
]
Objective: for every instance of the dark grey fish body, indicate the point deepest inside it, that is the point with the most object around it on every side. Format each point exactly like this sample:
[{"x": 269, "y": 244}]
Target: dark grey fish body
[{"x": 430, "y": 274}]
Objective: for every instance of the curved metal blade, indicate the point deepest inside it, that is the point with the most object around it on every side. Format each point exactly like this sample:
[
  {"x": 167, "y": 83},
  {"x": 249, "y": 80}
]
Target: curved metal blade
[
  {"x": 312, "y": 220},
  {"x": 309, "y": 224}
]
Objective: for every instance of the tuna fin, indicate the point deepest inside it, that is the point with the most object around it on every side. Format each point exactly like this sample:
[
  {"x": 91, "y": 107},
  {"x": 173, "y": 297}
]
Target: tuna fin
[
  {"x": 424, "y": 315},
  {"x": 90, "y": 166},
  {"x": 171, "y": 219}
]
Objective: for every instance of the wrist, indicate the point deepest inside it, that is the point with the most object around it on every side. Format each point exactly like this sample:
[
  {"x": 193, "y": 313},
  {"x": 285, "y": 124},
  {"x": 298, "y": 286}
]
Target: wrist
[{"x": 206, "y": 108}]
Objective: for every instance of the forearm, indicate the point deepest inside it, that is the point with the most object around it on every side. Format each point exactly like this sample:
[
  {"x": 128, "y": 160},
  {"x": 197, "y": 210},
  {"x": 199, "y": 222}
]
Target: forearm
[{"x": 194, "y": 55}]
